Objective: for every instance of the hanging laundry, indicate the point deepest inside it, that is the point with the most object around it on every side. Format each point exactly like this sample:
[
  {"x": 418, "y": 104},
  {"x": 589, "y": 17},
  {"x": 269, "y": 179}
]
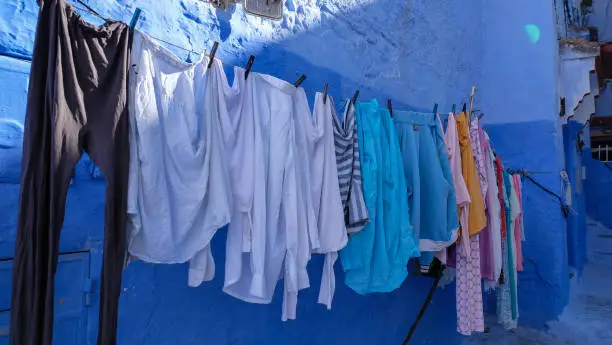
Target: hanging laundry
[
  {"x": 179, "y": 193},
  {"x": 376, "y": 258},
  {"x": 319, "y": 152},
  {"x": 477, "y": 219},
  {"x": 490, "y": 236},
  {"x": 451, "y": 139},
  {"x": 305, "y": 238},
  {"x": 507, "y": 307},
  {"x": 274, "y": 225},
  {"x": 349, "y": 169},
  {"x": 480, "y": 160},
  {"x": 470, "y": 315},
  {"x": 499, "y": 170},
  {"x": 479, "y": 155},
  {"x": 75, "y": 103},
  {"x": 518, "y": 222},
  {"x": 520, "y": 194},
  {"x": 491, "y": 258},
  {"x": 431, "y": 194}
]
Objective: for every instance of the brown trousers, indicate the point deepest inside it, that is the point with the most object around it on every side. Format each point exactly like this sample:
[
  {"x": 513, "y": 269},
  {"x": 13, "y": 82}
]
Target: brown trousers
[{"x": 77, "y": 100}]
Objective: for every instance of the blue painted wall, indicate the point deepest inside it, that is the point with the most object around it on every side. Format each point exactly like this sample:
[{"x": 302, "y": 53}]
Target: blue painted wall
[
  {"x": 387, "y": 49},
  {"x": 544, "y": 284},
  {"x": 576, "y": 223},
  {"x": 520, "y": 74},
  {"x": 598, "y": 186},
  {"x": 416, "y": 52}
]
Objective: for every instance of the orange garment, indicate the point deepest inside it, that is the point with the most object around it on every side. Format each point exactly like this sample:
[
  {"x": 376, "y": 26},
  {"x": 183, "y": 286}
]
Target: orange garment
[{"x": 477, "y": 219}]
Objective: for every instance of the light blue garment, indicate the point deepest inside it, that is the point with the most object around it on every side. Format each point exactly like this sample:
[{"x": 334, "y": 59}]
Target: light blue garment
[
  {"x": 510, "y": 244},
  {"x": 375, "y": 259},
  {"x": 431, "y": 193},
  {"x": 507, "y": 313}
]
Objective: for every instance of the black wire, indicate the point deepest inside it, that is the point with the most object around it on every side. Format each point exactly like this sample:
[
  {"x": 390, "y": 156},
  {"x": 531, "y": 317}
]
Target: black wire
[
  {"x": 92, "y": 10},
  {"x": 564, "y": 208},
  {"x": 423, "y": 308}
]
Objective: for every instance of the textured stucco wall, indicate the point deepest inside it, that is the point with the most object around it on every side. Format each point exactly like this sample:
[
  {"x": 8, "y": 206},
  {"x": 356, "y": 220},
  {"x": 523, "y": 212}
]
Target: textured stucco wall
[
  {"x": 519, "y": 91},
  {"x": 576, "y": 223},
  {"x": 598, "y": 187},
  {"x": 415, "y": 52},
  {"x": 404, "y": 50}
]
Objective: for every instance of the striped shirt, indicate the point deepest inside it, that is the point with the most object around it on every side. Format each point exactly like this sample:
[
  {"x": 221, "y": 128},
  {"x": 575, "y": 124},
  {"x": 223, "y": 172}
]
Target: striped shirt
[{"x": 349, "y": 170}]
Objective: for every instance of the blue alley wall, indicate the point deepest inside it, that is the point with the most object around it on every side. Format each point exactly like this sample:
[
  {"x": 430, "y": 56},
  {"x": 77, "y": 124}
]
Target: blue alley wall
[
  {"x": 598, "y": 186},
  {"x": 519, "y": 97},
  {"x": 576, "y": 152},
  {"x": 415, "y": 52}
]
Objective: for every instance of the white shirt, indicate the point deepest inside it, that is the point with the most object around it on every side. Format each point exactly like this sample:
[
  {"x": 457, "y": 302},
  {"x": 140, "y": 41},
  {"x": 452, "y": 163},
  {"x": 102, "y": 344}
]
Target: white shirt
[
  {"x": 319, "y": 170},
  {"x": 178, "y": 190},
  {"x": 268, "y": 238}
]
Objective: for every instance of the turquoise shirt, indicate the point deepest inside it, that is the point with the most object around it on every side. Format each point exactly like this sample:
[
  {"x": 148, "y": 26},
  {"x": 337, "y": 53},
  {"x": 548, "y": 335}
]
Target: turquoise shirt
[{"x": 375, "y": 259}]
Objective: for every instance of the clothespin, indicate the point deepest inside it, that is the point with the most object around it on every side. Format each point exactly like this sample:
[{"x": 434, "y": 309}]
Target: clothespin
[
  {"x": 435, "y": 111},
  {"x": 471, "y": 103},
  {"x": 325, "y": 93},
  {"x": 212, "y": 53},
  {"x": 300, "y": 81},
  {"x": 248, "y": 67},
  {"x": 390, "y": 107},
  {"x": 354, "y": 100},
  {"x": 464, "y": 109},
  {"x": 454, "y": 107},
  {"x": 135, "y": 18}
]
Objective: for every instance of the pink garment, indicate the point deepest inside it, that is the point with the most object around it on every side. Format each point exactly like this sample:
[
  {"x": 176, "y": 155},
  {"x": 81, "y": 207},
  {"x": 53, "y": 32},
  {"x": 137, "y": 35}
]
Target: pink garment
[
  {"x": 451, "y": 139},
  {"x": 470, "y": 315},
  {"x": 518, "y": 224}
]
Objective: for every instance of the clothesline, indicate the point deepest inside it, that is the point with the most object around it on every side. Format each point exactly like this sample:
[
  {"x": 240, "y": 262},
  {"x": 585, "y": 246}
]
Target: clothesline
[
  {"x": 565, "y": 209},
  {"x": 270, "y": 187},
  {"x": 95, "y": 13},
  {"x": 91, "y": 11}
]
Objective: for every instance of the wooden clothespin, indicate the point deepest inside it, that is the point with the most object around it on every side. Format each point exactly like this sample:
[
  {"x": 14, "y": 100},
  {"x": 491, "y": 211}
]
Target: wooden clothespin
[
  {"x": 435, "y": 111},
  {"x": 135, "y": 18},
  {"x": 212, "y": 53},
  {"x": 454, "y": 108},
  {"x": 390, "y": 107},
  {"x": 354, "y": 100},
  {"x": 325, "y": 93},
  {"x": 464, "y": 109},
  {"x": 248, "y": 67},
  {"x": 299, "y": 81},
  {"x": 471, "y": 102}
]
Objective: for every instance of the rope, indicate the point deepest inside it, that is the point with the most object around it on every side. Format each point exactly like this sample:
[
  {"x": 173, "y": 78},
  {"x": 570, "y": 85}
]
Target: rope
[
  {"x": 565, "y": 210},
  {"x": 436, "y": 269},
  {"x": 422, "y": 311},
  {"x": 93, "y": 12}
]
